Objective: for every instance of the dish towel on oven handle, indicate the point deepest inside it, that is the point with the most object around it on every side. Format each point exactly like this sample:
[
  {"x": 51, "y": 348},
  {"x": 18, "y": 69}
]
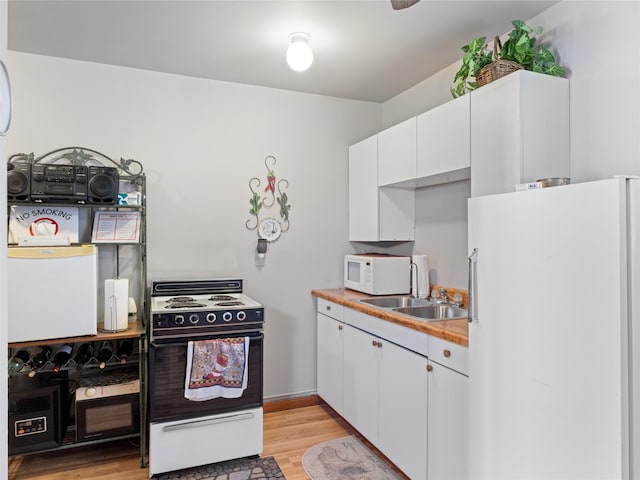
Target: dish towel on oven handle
[{"x": 216, "y": 368}]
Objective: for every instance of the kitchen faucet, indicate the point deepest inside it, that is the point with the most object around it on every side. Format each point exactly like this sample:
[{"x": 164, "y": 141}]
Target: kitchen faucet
[{"x": 443, "y": 297}]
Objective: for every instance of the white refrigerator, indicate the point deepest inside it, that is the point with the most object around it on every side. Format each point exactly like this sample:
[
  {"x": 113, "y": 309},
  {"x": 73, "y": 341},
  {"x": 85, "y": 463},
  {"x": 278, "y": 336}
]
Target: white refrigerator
[{"x": 554, "y": 333}]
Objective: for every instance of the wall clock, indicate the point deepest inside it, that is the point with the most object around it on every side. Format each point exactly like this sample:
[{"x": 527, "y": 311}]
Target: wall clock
[{"x": 269, "y": 229}]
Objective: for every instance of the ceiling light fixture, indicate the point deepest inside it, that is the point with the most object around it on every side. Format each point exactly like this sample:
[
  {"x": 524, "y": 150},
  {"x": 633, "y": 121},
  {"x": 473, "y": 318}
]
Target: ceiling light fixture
[{"x": 299, "y": 53}]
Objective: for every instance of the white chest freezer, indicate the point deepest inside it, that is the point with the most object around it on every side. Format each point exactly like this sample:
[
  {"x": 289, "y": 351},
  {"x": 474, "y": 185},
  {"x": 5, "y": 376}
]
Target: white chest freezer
[{"x": 52, "y": 292}]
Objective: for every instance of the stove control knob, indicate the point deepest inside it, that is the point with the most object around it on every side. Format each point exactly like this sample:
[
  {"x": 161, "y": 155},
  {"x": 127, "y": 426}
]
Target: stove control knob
[
  {"x": 226, "y": 316},
  {"x": 211, "y": 317},
  {"x": 241, "y": 315},
  {"x": 90, "y": 392},
  {"x": 193, "y": 318},
  {"x": 178, "y": 319}
]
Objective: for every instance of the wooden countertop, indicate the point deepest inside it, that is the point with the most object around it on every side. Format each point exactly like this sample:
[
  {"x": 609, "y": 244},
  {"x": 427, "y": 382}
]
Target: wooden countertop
[
  {"x": 456, "y": 331},
  {"x": 134, "y": 330}
]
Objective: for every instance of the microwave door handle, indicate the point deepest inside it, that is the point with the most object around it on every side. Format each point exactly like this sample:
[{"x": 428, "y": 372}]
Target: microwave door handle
[{"x": 206, "y": 423}]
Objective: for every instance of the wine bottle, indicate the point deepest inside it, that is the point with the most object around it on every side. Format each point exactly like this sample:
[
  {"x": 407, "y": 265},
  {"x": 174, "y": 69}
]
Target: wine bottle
[
  {"x": 85, "y": 352},
  {"x": 105, "y": 353},
  {"x": 125, "y": 349},
  {"x": 39, "y": 359},
  {"x": 62, "y": 356},
  {"x": 18, "y": 360}
]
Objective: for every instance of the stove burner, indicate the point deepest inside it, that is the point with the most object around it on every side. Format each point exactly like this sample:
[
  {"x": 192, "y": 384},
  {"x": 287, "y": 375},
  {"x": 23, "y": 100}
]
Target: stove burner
[
  {"x": 222, "y": 298},
  {"x": 187, "y": 304},
  {"x": 229, "y": 304},
  {"x": 181, "y": 300}
]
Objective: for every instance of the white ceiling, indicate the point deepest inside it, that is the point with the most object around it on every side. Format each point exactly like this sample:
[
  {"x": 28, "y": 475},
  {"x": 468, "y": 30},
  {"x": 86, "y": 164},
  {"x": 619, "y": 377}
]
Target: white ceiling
[{"x": 363, "y": 49}]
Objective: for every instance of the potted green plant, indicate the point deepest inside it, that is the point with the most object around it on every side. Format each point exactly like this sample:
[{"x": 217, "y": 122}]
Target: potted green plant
[
  {"x": 522, "y": 47},
  {"x": 476, "y": 56},
  {"x": 521, "y": 50}
]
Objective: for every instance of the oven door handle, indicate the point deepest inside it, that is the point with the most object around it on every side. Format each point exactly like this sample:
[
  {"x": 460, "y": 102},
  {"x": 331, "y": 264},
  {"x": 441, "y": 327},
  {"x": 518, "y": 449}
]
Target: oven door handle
[
  {"x": 205, "y": 423},
  {"x": 182, "y": 341}
]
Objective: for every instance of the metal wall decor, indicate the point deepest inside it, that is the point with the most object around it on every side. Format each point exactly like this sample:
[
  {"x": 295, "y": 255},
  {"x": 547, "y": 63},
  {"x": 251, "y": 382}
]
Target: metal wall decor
[{"x": 268, "y": 228}]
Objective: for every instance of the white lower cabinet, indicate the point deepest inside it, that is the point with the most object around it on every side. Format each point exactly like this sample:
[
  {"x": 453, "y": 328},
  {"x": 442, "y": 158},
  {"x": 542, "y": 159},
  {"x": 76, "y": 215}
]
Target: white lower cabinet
[
  {"x": 385, "y": 398},
  {"x": 330, "y": 331},
  {"x": 448, "y": 418},
  {"x": 361, "y": 364},
  {"x": 329, "y": 371},
  {"x": 413, "y": 409},
  {"x": 402, "y": 395},
  {"x": 447, "y": 421}
]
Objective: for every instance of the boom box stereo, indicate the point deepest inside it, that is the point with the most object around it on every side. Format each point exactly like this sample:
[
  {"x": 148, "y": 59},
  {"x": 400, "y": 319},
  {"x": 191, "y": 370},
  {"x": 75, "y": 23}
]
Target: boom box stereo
[
  {"x": 74, "y": 184},
  {"x": 103, "y": 185},
  {"x": 59, "y": 183},
  {"x": 19, "y": 181}
]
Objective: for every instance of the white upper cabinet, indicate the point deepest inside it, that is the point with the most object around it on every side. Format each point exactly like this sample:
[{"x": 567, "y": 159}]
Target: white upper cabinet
[
  {"x": 519, "y": 132},
  {"x": 376, "y": 214},
  {"x": 397, "y": 153},
  {"x": 363, "y": 190},
  {"x": 444, "y": 143}
]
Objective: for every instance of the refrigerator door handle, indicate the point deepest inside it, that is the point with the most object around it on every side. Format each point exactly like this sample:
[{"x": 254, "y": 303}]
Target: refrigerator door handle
[{"x": 473, "y": 279}]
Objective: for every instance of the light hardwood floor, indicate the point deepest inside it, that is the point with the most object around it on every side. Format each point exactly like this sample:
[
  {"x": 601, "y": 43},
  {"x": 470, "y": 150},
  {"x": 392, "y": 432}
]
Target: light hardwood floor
[{"x": 288, "y": 434}]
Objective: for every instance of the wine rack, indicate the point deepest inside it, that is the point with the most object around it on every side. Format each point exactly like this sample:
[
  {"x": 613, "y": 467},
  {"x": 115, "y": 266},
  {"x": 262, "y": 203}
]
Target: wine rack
[
  {"x": 116, "y": 259},
  {"x": 93, "y": 362}
]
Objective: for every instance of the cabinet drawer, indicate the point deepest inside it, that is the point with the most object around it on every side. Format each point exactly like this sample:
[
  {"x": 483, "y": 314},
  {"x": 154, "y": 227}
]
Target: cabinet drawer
[
  {"x": 330, "y": 309},
  {"x": 449, "y": 354}
]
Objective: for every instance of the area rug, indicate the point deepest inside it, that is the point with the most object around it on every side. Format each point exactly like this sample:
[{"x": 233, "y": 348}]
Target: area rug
[
  {"x": 345, "y": 459},
  {"x": 241, "y": 469}
]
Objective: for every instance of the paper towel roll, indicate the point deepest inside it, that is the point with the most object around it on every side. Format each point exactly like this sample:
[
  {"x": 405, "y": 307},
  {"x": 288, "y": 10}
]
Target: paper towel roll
[
  {"x": 421, "y": 277},
  {"x": 116, "y": 304}
]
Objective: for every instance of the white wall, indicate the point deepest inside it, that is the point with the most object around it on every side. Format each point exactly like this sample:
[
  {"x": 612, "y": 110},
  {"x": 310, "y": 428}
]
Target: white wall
[
  {"x": 201, "y": 142},
  {"x": 595, "y": 41},
  {"x": 3, "y": 258}
]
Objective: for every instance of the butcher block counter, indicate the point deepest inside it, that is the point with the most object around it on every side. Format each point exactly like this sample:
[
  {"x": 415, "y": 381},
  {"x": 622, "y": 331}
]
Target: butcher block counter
[{"x": 456, "y": 331}]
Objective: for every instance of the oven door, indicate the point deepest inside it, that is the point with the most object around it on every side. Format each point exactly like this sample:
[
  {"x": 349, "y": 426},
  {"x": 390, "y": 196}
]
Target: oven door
[{"x": 168, "y": 364}]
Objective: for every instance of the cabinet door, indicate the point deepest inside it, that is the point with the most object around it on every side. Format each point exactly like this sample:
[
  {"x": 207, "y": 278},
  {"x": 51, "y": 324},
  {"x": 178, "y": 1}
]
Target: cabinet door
[
  {"x": 363, "y": 190},
  {"x": 447, "y": 418},
  {"x": 495, "y": 138},
  {"x": 330, "y": 356},
  {"x": 519, "y": 132},
  {"x": 444, "y": 138},
  {"x": 397, "y": 214},
  {"x": 361, "y": 356},
  {"x": 403, "y": 409},
  {"x": 397, "y": 153}
]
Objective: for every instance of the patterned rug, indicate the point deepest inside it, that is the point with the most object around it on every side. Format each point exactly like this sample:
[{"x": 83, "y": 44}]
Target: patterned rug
[
  {"x": 345, "y": 459},
  {"x": 241, "y": 469}
]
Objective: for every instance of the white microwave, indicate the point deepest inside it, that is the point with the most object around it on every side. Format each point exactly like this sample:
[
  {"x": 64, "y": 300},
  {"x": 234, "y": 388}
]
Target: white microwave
[{"x": 377, "y": 274}]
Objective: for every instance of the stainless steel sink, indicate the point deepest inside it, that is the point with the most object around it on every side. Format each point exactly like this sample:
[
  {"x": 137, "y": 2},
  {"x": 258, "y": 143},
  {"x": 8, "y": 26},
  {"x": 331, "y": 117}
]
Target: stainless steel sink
[
  {"x": 395, "y": 302},
  {"x": 434, "y": 312}
]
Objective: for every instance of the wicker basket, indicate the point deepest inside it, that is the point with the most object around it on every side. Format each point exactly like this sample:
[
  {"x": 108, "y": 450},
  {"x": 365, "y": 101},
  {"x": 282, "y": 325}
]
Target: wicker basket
[{"x": 498, "y": 68}]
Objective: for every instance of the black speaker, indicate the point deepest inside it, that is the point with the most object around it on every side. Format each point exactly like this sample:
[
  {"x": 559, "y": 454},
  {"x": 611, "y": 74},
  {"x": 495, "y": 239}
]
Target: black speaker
[
  {"x": 19, "y": 181},
  {"x": 103, "y": 183}
]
